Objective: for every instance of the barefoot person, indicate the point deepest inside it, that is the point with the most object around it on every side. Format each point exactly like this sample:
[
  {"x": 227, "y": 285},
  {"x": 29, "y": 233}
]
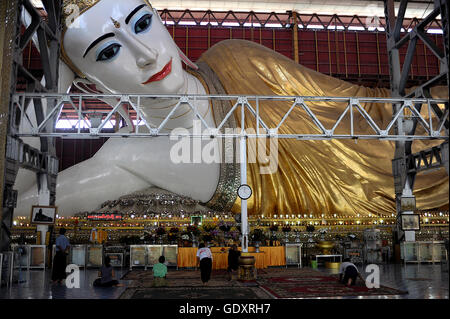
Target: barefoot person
[
  {"x": 348, "y": 272},
  {"x": 60, "y": 260},
  {"x": 107, "y": 275},
  {"x": 233, "y": 260},
  {"x": 204, "y": 261},
  {"x": 160, "y": 273}
]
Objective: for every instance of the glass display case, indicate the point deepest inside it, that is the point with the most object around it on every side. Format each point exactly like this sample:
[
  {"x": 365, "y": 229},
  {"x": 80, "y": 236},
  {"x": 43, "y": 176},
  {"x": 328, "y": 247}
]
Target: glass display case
[
  {"x": 78, "y": 255},
  {"x": 116, "y": 254},
  {"x": 37, "y": 256},
  {"x": 293, "y": 254},
  {"x": 22, "y": 256},
  {"x": 116, "y": 259},
  {"x": 440, "y": 252},
  {"x": 426, "y": 252},
  {"x": 153, "y": 254},
  {"x": 148, "y": 255},
  {"x": 409, "y": 252},
  {"x": 372, "y": 246},
  {"x": 138, "y": 256},
  {"x": 94, "y": 256},
  {"x": 171, "y": 254},
  {"x": 423, "y": 251}
]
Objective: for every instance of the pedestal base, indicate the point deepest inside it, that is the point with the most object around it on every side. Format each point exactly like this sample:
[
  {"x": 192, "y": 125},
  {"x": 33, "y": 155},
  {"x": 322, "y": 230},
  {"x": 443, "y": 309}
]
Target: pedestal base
[
  {"x": 247, "y": 270},
  {"x": 246, "y": 273}
]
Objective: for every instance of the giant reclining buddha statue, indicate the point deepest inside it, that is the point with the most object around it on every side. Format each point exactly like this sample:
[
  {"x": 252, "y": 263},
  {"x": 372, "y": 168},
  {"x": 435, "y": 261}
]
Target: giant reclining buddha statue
[{"x": 123, "y": 47}]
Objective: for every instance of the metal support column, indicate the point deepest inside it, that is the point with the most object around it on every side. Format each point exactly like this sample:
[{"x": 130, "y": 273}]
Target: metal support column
[
  {"x": 8, "y": 166},
  {"x": 295, "y": 35},
  {"x": 403, "y": 164},
  {"x": 45, "y": 35}
]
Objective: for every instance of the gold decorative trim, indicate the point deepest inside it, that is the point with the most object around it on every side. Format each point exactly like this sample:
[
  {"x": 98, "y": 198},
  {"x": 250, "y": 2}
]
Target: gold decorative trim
[{"x": 83, "y": 6}]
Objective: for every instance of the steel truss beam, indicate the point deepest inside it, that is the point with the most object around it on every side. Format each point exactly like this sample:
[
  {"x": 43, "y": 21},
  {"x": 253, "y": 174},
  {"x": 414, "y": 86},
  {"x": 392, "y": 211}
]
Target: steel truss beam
[
  {"x": 429, "y": 159},
  {"x": 431, "y": 123},
  {"x": 276, "y": 19},
  {"x": 31, "y": 158}
]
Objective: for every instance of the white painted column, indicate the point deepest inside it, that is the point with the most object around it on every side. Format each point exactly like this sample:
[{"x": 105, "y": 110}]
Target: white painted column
[
  {"x": 243, "y": 161},
  {"x": 43, "y": 200},
  {"x": 244, "y": 217}
]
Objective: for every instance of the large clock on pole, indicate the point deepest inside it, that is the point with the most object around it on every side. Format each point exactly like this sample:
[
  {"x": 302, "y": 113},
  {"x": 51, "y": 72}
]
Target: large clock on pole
[{"x": 244, "y": 191}]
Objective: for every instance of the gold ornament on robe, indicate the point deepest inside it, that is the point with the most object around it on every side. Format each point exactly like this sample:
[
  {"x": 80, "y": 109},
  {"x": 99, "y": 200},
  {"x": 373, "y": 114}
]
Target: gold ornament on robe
[{"x": 317, "y": 177}]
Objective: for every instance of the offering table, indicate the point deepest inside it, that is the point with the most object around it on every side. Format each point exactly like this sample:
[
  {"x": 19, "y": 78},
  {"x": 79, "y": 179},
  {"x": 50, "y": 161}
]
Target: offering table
[{"x": 268, "y": 256}]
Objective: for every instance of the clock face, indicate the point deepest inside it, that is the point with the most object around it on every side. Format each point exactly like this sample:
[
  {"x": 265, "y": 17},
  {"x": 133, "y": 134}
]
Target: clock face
[{"x": 244, "y": 192}]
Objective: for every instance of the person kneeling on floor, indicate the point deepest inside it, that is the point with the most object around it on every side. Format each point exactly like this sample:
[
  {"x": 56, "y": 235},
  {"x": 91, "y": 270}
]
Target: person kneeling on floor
[
  {"x": 348, "y": 273},
  {"x": 159, "y": 273},
  {"x": 106, "y": 275}
]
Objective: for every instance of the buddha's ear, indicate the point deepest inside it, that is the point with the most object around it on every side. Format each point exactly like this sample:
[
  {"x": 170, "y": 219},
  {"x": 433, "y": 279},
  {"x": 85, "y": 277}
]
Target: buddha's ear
[
  {"x": 86, "y": 86},
  {"x": 186, "y": 60},
  {"x": 183, "y": 57}
]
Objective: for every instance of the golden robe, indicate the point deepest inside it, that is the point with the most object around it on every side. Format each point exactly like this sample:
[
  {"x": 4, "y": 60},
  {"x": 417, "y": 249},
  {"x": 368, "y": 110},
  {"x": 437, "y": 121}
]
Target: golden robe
[{"x": 340, "y": 177}]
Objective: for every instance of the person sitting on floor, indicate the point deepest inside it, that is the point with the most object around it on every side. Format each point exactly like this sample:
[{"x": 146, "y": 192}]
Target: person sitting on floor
[
  {"x": 348, "y": 273},
  {"x": 106, "y": 275},
  {"x": 159, "y": 273}
]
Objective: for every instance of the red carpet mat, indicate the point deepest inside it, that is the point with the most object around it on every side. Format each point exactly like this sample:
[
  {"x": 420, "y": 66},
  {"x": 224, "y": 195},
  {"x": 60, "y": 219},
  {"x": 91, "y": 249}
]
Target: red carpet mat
[
  {"x": 188, "y": 293},
  {"x": 308, "y": 283},
  {"x": 283, "y": 283},
  {"x": 184, "y": 278}
]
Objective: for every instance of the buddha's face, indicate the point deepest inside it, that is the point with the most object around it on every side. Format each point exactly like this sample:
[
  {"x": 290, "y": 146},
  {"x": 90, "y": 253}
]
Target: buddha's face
[{"x": 123, "y": 47}]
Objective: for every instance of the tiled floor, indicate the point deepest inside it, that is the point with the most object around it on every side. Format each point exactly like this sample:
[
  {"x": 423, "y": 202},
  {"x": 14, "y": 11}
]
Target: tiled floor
[
  {"x": 37, "y": 285},
  {"x": 423, "y": 281}
]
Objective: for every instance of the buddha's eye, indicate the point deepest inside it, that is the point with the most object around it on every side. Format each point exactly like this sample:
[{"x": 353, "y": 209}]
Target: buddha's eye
[
  {"x": 143, "y": 24},
  {"x": 109, "y": 52}
]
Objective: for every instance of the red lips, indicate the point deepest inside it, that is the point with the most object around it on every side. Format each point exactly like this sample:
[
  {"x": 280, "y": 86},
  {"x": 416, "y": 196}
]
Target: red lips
[{"x": 161, "y": 74}]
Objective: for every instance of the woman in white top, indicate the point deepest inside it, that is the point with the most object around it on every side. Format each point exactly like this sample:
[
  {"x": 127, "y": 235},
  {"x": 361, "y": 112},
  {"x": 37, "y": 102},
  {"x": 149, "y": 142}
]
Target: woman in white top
[{"x": 204, "y": 259}]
